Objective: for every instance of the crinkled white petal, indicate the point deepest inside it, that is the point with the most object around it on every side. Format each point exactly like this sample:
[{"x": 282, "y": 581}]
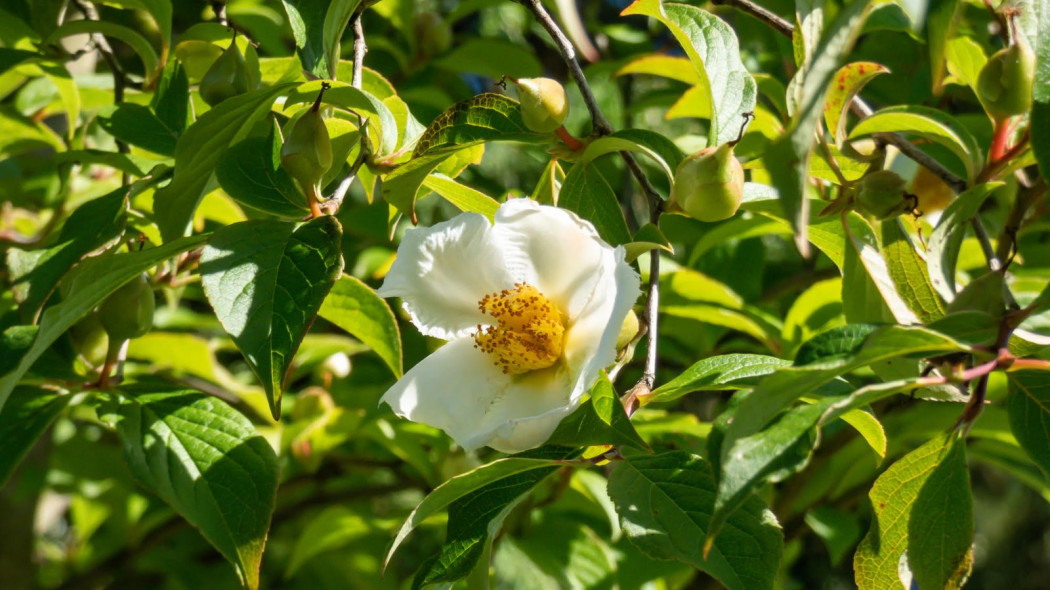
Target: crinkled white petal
[
  {"x": 553, "y": 250},
  {"x": 460, "y": 390},
  {"x": 441, "y": 273},
  {"x": 590, "y": 338}
]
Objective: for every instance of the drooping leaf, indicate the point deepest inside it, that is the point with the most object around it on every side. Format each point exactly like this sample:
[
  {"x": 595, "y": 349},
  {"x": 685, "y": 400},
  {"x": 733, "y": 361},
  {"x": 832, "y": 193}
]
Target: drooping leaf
[
  {"x": 665, "y": 503},
  {"x": 355, "y": 307},
  {"x": 197, "y": 153},
  {"x": 647, "y": 238},
  {"x": 866, "y": 245},
  {"x": 89, "y": 284},
  {"x": 920, "y": 495},
  {"x": 461, "y": 195},
  {"x": 713, "y": 49},
  {"x": 266, "y": 281},
  {"x": 1029, "y": 408},
  {"x": 848, "y": 81},
  {"x": 204, "y": 459},
  {"x": 26, "y": 415},
  {"x": 250, "y": 172},
  {"x": 36, "y": 273},
  {"x": 601, "y": 420}
]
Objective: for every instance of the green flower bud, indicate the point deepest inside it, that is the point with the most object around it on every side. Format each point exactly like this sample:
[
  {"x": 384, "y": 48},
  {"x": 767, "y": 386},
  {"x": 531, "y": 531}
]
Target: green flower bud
[
  {"x": 226, "y": 78},
  {"x": 881, "y": 194},
  {"x": 89, "y": 339},
  {"x": 544, "y": 104},
  {"x": 709, "y": 184},
  {"x": 128, "y": 312},
  {"x": 307, "y": 151},
  {"x": 1005, "y": 82}
]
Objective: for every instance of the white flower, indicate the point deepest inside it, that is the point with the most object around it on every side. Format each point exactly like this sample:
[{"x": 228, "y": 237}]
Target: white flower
[{"x": 531, "y": 306}]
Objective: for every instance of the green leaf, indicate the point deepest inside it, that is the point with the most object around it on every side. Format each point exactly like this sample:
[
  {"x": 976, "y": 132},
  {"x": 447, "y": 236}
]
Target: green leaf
[
  {"x": 965, "y": 58},
  {"x": 939, "y": 27},
  {"x": 717, "y": 373},
  {"x": 36, "y": 273},
  {"x": 150, "y": 61},
  {"x": 589, "y": 194},
  {"x": 171, "y": 99},
  {"x": 848, "y": 82},
  {"x": 355, "y": 307},
  {"x": 250, "y": 172},
  {"x": 333, "y": 528},
  {"x": 89, "y": 284},
  {"x": 127, "y": 163},
  {"x": 675, "y": 68},
  {"x": 266, "y": 280},
  {"x": 204, "y": 459},
  {"x": 135, "y": 124},
  {"x": 27, "y": 414},
  {"x": 1029, "y": 408},
  {"x": 665, "y": 503},
  {"x": 922, "y": 508},
  {"x": 714, "y": 51},
  {"x": 482, "y": 118},
  {"x": 335, "y": 21},
  {"x": 463, "y": 485},
  {"x": 834, "y": 345},
  {"x": 601, "y": 420},
  {"x": 647, "y": 238},
  {"x": 946, "y": 239},
  {"x": 476, "y": 517},
  {"x": 780, "y": 389},
  {"x": 909, "y": 273},
  {"x": 198, "y": 151},
  {"x": 930, "y": 124},
  {"x": 159, "y": 10},
  {"x": 461, "y": 195},
  {"x": 787, "y": 159},
  {"x": 1040, "y": 133},
  {"x": 657, "y": 147},
  {"x": 491, "y": 58},
  {"x": 307, "y": 19}
]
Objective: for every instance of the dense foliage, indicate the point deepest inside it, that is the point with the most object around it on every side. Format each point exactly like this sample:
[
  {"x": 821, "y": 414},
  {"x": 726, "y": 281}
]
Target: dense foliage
[{"x": 741, "y": 294}]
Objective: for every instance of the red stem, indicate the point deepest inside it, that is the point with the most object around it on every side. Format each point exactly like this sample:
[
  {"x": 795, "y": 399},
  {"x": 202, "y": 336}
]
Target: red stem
[
  {"x": 567, "y": 138},
  {"x": 1000, "y": 141}
]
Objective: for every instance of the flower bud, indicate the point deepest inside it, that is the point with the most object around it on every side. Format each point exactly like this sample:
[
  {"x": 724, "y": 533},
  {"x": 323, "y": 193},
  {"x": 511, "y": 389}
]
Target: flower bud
[
  {"x": 1005, "y": 82},
  {"x": 128, "y": 312},
  {"x": 226, "y": 78},
  {"x": 307, "y": 151},
  {"x": 881, "y": 194},
  {"x": 709, "y": 184},
  {"x": 544, "y": 104},
  {"x": 89, "y": 339}
]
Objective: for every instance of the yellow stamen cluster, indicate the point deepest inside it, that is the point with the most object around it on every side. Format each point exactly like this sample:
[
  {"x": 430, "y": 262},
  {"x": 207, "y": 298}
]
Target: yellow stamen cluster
[{"x": 529, "y": 330}]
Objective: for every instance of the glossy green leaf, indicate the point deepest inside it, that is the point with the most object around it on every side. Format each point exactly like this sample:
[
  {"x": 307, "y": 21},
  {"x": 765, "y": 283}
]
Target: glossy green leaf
[
  {"x": 307, "y": 20},
  {"x": 1029, "y": 408},
  {"x": 647, "y": 238},
  {"x": 463, "y": 485},
  {"x": 34, "y": 274},
  {"x": 89, "y": 284},
  {"x": 26, "y": 416},
  {"x": 204, "y": 459},
  {"x": 920, "y": 509},
  {"x": 834, "y": 345},
  {"x": 965, "y": 58},
  {"x": 946, "y": 239},
  {"x": 665, "y": 503},
  {"x": 657, "y": 147},
  {"x": 588, "y": 193},
  {"x": 667, "y": 66},
  {"x": 717, "y": 373},
  {"x": 150, "y": 61},
  {"x": 601, "y": 420},
  {"x": 335, "y": 20},
  {"x": 476, "y": 517},
  {"x": 866, "y": 245},
  {"x": 713, "y": 49},
  {"x": 198, "y": 151},
  {"x": 132, "y": 165},
  {"x": 909, "y": 272},
  {"x": 137, "y": 125},
  {"x": 250, "y": 172},
  {"x": 171, "y": 99},
  {"x": 939, "y": 27},
  {"x": 266, "y": 280},
  {"x": 355, "y": 307},
  {"x": 930, "y": 124}
]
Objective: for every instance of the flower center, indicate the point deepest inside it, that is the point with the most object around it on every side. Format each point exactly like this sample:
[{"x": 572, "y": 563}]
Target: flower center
[{"x": 529, "y": 330}]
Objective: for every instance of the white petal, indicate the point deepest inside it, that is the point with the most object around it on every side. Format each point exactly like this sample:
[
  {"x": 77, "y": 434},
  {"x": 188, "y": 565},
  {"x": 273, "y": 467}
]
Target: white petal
[
  {"x": 590, "y": 340},
  {"x": 551, "y": 249},
  {"x": 441, "y": 273},
  {"x": 461, "y": 391}
]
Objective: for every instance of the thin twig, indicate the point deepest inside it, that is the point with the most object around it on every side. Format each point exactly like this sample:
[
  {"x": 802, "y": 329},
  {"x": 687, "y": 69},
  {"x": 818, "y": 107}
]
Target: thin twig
[
  {"x": 568, "y": 53},
  {"x": 771, "y": 19},
  {"x": 360, "y": 49}
]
